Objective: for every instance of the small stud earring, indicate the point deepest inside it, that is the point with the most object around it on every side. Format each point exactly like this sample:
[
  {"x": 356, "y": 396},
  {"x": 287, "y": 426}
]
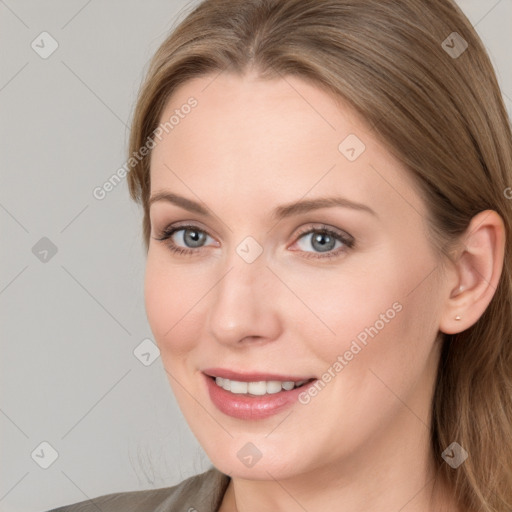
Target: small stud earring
[{"x": 457, "y": 317}]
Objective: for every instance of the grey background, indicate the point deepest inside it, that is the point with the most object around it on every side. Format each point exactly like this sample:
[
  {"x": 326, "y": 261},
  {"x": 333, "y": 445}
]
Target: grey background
[{"x": 70, "y": 324}]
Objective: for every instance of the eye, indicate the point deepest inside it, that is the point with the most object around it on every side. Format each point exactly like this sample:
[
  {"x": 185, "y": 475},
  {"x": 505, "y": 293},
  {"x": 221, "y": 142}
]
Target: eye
[
  {"x": 192, "y": 237},
  {"x": 324, "y": 239}
]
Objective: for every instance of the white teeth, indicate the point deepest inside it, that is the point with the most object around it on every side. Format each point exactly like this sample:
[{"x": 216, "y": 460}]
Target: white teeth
[
  {"x": 238, "y": 387},
  {"x": 287, "y": 385},
  {"x": 273, "y": 386},
  {"x": 257, "y": 388}
]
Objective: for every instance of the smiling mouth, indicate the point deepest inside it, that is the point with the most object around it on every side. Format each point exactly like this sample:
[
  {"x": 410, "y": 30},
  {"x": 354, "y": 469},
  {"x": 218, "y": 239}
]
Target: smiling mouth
[
  {"x": 258, "y": 388},
  {"x": 252, "y": 396}
]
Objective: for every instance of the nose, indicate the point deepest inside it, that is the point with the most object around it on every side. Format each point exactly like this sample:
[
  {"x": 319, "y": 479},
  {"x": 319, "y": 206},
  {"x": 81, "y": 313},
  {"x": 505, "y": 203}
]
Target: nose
[{"x": 244, "y": 306}]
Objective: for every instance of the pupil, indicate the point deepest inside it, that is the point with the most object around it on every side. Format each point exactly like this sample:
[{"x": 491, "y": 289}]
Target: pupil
[
  {"x": 193, "y": 236},
  {"x": 321, "y": 239}
]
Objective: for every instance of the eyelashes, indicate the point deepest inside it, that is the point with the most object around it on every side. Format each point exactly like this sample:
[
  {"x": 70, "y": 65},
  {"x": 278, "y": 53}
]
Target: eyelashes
[
  {"x": 321, "y": 232},
  {"x": 347, "y": 241}
]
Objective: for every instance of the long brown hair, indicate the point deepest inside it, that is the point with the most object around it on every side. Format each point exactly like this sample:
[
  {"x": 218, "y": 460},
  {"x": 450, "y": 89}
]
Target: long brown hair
[{"x": 437, "y": 107}]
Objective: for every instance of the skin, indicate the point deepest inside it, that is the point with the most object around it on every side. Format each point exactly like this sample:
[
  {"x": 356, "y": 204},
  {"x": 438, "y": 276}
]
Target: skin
[{"x": 363, "y": 442}]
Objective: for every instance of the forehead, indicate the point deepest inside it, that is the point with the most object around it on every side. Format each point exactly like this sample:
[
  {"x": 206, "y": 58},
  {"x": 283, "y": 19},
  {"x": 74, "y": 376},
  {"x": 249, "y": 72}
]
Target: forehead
[
  {"x": 274, "y": 141},
  {"x": 252, "y": 115}
]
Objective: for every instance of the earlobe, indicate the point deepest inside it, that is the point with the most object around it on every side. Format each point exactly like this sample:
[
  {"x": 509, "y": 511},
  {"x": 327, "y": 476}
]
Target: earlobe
[{"x": 477, "y": 272}]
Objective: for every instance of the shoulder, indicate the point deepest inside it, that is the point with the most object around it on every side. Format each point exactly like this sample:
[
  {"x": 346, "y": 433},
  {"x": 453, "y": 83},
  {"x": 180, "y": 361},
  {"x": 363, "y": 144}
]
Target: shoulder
[{"x": 201, "y": 492}]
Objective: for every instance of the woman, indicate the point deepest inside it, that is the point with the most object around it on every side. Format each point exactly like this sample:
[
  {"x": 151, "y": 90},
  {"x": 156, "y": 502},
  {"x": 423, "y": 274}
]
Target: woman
[{"x": 326, "y": 188}]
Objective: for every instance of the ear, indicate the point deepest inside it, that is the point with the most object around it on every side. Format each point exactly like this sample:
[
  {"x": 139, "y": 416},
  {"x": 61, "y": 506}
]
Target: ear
[{"x": 476, "y": 272}]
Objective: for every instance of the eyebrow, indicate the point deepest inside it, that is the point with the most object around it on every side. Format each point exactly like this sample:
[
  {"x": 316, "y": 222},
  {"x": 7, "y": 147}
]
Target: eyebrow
[{"x": 279, "y": 213}]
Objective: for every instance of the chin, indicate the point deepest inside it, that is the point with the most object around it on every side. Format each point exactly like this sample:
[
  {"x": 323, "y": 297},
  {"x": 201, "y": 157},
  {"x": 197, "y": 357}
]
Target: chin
[{"x": 243, "y": 459}]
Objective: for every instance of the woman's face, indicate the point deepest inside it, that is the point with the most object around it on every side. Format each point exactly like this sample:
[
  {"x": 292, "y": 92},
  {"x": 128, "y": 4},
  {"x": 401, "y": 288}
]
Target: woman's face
[{"x": 263, "y": 293}]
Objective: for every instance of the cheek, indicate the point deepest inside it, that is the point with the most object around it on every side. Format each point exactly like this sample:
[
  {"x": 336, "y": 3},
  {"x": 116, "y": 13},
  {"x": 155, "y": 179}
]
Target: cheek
[
  {"x": 388, "y": 349},
  {"x": 351, "y": 304},
  {"x": 382, "y": 317},
  {"x": 172, "y": 303}
]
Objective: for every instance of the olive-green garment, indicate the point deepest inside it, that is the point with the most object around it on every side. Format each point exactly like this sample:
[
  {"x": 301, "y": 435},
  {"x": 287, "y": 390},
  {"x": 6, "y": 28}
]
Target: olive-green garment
[{"x": 199, "y": 493}]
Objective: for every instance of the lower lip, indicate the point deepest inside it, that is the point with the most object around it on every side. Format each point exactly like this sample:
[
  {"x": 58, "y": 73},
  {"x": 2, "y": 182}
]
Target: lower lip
[{"x": 250, "y": 407}]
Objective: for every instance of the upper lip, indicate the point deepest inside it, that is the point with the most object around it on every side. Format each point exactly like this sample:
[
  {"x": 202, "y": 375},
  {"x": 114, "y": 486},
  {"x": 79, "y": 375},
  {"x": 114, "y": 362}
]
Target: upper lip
[{"x": 252, "y": 376}]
